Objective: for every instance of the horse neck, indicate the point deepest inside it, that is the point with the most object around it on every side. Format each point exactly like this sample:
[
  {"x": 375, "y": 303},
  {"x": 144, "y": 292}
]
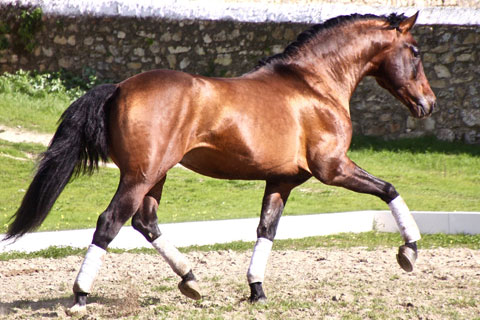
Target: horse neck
[{"x": 336, "y": 64}]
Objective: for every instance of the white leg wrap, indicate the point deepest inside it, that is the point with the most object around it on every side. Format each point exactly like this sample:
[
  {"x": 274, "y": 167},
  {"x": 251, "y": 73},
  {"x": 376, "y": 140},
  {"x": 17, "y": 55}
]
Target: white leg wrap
[
  {"x": 258, "y": 264},
  {"x": 177, "y": 261},
  {"x": 405, "y": 222},
  {"x": 89, "y": 269}
]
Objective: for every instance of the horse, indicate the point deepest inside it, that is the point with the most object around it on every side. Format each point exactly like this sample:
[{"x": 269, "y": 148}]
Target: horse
[{"x": 285, "y": 121}]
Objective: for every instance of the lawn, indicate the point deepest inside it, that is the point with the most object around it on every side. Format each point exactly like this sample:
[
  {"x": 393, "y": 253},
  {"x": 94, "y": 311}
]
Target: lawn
[{"x": 35, "y": 101}]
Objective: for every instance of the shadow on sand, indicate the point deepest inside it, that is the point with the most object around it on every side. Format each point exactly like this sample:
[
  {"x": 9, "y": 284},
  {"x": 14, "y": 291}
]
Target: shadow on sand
[{"x": 44, "y": 308}]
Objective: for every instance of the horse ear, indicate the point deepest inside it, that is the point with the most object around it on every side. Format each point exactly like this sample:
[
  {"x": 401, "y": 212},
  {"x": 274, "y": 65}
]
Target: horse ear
[{"x": 408, "y": 23}]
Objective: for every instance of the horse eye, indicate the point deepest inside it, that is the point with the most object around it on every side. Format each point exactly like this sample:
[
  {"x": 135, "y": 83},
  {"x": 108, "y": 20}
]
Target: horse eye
[{"x": 415, "y": 51}]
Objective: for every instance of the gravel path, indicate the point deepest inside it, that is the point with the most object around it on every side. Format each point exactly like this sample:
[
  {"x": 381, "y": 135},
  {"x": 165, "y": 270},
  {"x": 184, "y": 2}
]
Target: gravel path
[{"x": 21, "y": 135}]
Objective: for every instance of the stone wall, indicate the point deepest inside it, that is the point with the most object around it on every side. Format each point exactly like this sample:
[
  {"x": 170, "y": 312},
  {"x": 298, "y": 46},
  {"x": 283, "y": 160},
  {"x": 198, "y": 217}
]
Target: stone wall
[{"x": 118, "y": 47}]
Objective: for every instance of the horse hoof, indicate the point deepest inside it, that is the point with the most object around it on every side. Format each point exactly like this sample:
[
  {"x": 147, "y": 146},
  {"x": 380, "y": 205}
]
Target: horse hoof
[
  {"x": 256, "y": 293},
  {"x": 406, "y": 258},
  {"x": 77, "y": 310},
  {"x": 190, "y": 288},
  {"x": 259, "y": 300}
]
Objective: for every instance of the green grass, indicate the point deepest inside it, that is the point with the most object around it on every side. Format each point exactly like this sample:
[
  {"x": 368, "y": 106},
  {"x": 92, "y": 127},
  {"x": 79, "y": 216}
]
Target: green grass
[
  {"x": 35, "y": 101},
  {"x": 443, "y": 179},
  {"x": 371, "y": 240},
  {"x": 36, "y": 114}
]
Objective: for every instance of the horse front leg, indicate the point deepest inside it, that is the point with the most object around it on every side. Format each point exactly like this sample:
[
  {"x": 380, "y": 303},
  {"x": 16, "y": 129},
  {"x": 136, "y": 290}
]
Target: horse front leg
[
  {"x": 345, "y": 173},
  {"x": 145, "y": 221},
  {"x": 274, "y": 199}
]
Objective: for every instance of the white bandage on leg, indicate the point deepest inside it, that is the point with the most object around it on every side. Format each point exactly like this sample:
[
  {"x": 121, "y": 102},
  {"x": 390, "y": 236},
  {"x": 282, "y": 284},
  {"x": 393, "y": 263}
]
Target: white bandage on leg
[
  {"x": 258, "y": 264},
  {"x": 89, "y": 269},
  {"x": 405, "y": 222},
  {"x": 177, "y": 261}
]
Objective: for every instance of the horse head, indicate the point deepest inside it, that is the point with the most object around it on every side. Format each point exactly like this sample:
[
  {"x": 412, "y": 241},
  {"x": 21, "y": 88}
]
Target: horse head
[{"x": 400, "y": 71}]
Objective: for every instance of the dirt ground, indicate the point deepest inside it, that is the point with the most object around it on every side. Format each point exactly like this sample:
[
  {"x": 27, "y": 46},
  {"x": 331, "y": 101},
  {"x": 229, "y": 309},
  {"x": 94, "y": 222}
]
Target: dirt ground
[{"x": 354, "y": 283}]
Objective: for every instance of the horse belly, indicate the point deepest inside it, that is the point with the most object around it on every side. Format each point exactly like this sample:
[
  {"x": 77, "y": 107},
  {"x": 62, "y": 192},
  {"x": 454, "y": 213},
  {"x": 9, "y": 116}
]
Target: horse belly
[{"x": 224, "y": 165}]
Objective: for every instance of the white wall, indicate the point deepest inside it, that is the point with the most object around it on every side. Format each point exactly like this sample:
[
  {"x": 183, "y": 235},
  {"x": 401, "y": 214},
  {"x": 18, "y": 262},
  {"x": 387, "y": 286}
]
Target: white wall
[{"x": 248, "y": 12}]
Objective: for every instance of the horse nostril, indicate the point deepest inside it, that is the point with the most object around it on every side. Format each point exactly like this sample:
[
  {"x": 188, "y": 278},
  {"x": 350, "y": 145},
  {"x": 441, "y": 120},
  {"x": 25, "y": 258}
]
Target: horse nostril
[{"x": 433, "y": 105}]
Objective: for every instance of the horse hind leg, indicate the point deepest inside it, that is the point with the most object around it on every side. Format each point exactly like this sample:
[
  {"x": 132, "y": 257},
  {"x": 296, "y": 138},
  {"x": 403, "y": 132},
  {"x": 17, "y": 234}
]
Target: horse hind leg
[
  {"x": 145, "y": 221},
  {"x": 122, "y": 207}
]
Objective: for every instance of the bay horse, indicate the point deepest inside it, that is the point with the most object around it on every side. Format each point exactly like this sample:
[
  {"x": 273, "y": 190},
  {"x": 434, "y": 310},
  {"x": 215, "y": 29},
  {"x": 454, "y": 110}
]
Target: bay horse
[{"x": 284, "y": 122}]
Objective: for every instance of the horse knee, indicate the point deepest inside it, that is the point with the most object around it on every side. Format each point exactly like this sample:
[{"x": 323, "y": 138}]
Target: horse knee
[
  {"x": 267, "y": 231},
  {"x": 264, "y": 231},
  {"x": 267, "y": 228},
  {"x": 390, "y": 193}
]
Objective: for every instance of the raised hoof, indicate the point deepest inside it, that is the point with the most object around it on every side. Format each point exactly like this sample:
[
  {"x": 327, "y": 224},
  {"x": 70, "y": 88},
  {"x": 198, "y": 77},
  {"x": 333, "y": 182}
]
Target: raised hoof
[
  {"x": 256, "y": 293},
  {"x": 77, "y": 310},
  {"x": 190, "y": 289},
  {"x": 406, "y": 258}
]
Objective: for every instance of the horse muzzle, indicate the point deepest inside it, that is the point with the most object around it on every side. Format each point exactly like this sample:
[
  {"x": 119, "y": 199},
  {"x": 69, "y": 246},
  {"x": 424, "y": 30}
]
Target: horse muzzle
[{"x": 423, "y": 107}]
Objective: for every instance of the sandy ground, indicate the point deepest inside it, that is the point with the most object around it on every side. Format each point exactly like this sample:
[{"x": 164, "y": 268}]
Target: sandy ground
[{"x": 311, "y": 284}]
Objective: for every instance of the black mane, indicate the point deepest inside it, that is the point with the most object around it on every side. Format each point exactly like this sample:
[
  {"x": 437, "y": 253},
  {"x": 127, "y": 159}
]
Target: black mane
[{"x": 393, "y": 19}]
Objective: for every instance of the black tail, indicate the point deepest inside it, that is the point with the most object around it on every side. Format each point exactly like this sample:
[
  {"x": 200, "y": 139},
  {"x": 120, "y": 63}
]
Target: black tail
[{"x": 80, "y": 142}]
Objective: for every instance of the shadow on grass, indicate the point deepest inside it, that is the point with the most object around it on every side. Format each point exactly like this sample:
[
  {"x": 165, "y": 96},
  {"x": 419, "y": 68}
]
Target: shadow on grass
[{"x": 414, "y": 145}]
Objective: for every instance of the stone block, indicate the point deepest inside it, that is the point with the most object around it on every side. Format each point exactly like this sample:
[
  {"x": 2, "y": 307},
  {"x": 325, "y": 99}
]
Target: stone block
[
  {"x": 60, "y": 40},
  {"x": 464, "y": 57},
  {"x": 442, "y": 71},
  {"x": 134, "y": 65},
  {"x": 224, "y": 59},
  {"x": 72, "y": 40}
]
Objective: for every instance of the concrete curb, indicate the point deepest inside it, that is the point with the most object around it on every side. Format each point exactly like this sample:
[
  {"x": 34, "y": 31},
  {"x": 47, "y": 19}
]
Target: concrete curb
[{"x": 224, "y": 231}]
